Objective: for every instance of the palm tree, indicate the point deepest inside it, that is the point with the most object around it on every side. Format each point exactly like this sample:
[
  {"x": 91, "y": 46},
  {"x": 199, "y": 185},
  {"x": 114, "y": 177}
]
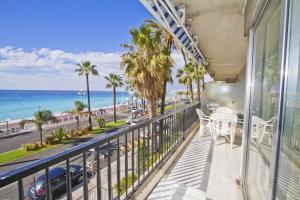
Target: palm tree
[
  {"x": 40, "y": 117},
  {"x": 186, "y": 77},
  {"x": 77, "y": 111},
  {"x": 85, "y": 68},
  {"x": 114, "y": 81},
  {"x": 168, "y": 43},
  {"x": 198, "y": 75},
  {"x": 100, "y": 121},
  {"x": 144, "y": 64}
]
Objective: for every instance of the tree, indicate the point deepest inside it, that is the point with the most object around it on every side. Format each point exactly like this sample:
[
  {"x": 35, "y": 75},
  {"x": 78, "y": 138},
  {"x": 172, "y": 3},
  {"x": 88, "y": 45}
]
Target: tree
[
  {"x": 77, "y": 111},
  {"x": 100, "y": 121},
  {"x": 114, "y": 81},
  {"x": 59, "y": 133},
  {"x": 186, "y": 76},
  {"x": 168, "y": 43},
  {"x": 144, "y": 64},
  {"x": 198, "y": 75},
  {"x": 40, "y": 117},
  {"x": 85, "y": 68}
]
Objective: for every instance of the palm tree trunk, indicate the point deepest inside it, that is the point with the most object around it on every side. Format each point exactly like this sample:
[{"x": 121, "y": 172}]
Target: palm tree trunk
[
  {"x": 89, "y": 102},
  {"x": 152, "y": 109},
  {"x": 77, "y": 122},
  {"x": 187, "y": 93},
  {"x": 114, "y": 100},
  {"x": 163, "y": 99},
  {"x": 198, "y": 82},
  {"x": 191, "y": 92},
  {"x": 203, "y": 87},
  {"x": 41, "y": 136}
]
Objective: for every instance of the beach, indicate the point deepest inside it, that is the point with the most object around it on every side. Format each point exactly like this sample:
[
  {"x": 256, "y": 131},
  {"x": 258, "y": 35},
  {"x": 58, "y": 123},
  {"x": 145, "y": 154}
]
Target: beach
[{"x": 21, "y": 104}]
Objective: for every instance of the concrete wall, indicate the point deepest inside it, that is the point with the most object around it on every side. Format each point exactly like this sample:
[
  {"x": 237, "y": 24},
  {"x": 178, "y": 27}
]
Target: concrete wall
[
  {"x": 252, "y": 10},
  {"x": 231, "y": 95}
]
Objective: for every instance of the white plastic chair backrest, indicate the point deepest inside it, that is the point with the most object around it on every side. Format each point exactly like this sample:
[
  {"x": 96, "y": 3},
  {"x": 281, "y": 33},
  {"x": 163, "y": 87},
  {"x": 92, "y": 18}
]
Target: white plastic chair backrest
[
  {"x": 224, "y": 123},
  {"x": 200, "y": 113},
  {"x": 224, "y": 110},
  {"x": 258, "y": 126}
]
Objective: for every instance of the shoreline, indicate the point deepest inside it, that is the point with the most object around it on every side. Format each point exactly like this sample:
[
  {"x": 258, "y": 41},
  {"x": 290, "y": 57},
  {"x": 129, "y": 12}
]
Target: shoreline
[{"x": 62, "y": 117}]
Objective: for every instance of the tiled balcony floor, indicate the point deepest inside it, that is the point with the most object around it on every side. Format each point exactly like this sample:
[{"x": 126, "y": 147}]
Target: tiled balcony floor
[{"x": 207, "y": 169}]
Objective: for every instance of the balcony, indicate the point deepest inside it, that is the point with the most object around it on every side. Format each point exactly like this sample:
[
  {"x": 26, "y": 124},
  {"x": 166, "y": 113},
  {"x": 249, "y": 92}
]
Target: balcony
[{"x": 163, "y": 158}]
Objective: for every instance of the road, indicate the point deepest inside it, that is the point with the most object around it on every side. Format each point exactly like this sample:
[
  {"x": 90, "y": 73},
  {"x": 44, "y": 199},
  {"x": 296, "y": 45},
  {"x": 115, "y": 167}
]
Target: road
[
  {"x": 10, "y": 192},
  {"x": 16, "y": 142}
]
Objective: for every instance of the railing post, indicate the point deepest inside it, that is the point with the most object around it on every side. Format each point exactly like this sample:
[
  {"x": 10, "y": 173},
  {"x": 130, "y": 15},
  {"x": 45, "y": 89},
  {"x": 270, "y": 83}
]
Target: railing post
[
  {"x": 21, "y": 189},
  {"x": 48, "y": 186},
  {"x": 183, "y": 125},
  {"x": 69, "y": 183},
  {"x": 85, "y": 178}
]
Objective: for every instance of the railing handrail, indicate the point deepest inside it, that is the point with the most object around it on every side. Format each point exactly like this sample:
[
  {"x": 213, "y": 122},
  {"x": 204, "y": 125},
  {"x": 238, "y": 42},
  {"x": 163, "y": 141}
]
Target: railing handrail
[{"x": 7, "y": 178}]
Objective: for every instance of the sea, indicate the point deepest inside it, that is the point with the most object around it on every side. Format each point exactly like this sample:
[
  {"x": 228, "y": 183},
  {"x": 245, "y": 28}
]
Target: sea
[{"x": 21, "y": 104}]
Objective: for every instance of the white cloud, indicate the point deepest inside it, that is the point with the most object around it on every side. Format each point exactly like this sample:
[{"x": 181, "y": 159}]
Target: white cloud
[
  {"x": 59, "y": 61},
  {"x": 45, "y": 68}
]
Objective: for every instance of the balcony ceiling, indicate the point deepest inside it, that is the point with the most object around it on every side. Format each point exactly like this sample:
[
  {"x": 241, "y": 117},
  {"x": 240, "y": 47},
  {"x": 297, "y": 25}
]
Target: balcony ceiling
[{"x": 219, "y": 25}]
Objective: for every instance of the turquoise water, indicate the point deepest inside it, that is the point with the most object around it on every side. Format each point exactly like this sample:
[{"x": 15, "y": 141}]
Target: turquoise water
[{"x": 19, "y": 104}]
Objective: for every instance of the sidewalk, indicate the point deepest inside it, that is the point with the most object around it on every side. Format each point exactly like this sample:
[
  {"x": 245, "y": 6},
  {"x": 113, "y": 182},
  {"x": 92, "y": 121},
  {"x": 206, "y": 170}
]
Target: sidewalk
[{"x": 58, "y": 149}]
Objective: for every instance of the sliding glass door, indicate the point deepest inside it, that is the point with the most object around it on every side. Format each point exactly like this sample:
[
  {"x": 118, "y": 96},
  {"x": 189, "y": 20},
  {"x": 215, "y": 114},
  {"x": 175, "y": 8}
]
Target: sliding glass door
[
  {"x": 265, "y": 97},
  {"x": 288, "y": 181}
]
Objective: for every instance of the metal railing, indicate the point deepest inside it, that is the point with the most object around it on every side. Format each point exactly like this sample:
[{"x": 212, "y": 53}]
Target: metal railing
[{"x": 110, "y": 167}]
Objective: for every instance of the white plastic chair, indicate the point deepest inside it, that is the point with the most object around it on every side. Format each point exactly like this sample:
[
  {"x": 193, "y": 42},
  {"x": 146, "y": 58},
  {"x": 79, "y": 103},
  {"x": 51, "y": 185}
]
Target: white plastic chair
[
  {"x": 267, "y": 131},
  {"x": 260, "y": 128},
  {"x": 204, "y": 121},
  {"x": 224, "y": 124},
  {"x": 224, "y": 110}
]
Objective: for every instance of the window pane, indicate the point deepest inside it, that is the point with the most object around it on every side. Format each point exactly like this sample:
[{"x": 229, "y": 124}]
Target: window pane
[
  {"x": 288, "y": 184},
  {"x": 265, "y": 101}
]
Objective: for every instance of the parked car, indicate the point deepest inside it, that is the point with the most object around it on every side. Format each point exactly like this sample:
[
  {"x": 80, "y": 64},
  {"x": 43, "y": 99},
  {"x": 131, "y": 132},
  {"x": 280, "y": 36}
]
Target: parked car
[{"x": 37, "y": 189}]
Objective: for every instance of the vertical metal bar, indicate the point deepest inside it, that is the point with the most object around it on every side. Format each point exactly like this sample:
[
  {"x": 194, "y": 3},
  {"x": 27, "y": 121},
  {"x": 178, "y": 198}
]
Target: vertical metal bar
[
  {"x": 152, "y": 152},
  {"x": 247, "y": 107},
  {"x": 48, "y": 184},
  {"x": 98, "y": 173},
  {"x": 148, "y": 147},
  {"x": 132, "y": 159},
  {"x": 144, "y": 167},
  {"x": 163, "y": 137},
  {"x": 160, "y": 139},
  {"x": 118, "y": 169},
  {"x": 21, "y": 189},
  {"x": 183, "y": 124},
  {"x": 173, "y": 132},
  {"x": 168, "y": 134},
  {"x": 85, "y": 178},
  {"x": 138, "y": 154},
  {"x": 68, "y": 180},
  {"x": 126, "y": 164},
  {"x": 283, "y": 65},
  {"x": 109, "y": 171}
]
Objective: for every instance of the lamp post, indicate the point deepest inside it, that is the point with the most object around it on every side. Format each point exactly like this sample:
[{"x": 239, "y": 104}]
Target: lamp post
[
  {"x": 7, "y": 120},
  {"x": 81, "y": 93},
  {"x": 131, "y": 107}
]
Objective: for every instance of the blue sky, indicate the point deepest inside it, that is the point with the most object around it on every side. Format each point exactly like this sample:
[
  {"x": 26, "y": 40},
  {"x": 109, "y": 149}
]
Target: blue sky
[
  {"x": 71, "y": 25},
  {"x": 42, "y": 40}
]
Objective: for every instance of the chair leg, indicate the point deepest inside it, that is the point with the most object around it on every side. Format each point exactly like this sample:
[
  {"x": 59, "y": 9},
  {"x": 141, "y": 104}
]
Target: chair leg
[{"x": 232, "y": 136}]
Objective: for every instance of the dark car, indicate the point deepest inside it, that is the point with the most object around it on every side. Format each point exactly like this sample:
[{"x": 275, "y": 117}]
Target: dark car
[{"x": 37, "y": 189}]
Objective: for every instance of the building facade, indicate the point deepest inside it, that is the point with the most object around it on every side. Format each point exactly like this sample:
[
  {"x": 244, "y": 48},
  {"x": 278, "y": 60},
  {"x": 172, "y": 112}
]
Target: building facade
[{"x": 256, "y": 42}]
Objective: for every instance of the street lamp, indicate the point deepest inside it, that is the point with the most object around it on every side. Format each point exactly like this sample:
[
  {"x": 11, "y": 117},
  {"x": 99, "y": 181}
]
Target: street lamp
[
  {"x": 7, "y": 120},
  {"x": 81, "y": 93},
  {"x": 131, "y": 109}
]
